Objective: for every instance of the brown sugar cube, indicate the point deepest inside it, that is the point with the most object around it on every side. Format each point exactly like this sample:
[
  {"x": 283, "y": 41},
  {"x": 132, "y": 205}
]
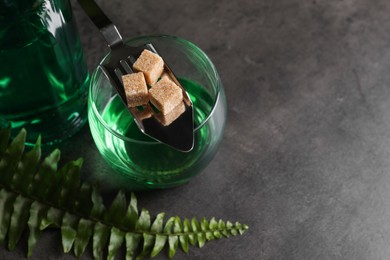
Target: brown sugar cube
[
  {"x": 135, "y": 89},
  {"x": 151, "y": 64},
  {"x": 166, "y": 75},
  {"x": 165, "y": 95},
  {"x": 146, "y": 113},
  {"x": 171, "y": 116}
]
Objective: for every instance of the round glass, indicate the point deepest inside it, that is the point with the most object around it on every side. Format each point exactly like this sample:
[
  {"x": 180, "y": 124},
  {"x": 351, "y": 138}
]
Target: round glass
[{"x": 140, "y": 162}]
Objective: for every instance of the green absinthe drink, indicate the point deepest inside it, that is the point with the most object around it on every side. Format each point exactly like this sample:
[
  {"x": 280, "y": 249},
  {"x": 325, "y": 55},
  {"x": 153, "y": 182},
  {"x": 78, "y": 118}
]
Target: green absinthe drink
[
  {"x": 43, "y": 75},
  {"x": 142, "y": 160}
]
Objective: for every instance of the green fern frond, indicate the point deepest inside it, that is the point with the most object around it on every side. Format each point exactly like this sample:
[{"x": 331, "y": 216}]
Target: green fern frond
[{"x": 36, "y": 196}]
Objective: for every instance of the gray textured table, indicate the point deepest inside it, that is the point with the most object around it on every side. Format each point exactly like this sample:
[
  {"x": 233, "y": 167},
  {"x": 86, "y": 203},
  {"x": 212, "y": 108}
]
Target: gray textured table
[{"x": 305, "y": 159}]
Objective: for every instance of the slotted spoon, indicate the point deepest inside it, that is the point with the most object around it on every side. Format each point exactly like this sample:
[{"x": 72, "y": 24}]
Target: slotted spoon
[{"x": 180, "y": 133}]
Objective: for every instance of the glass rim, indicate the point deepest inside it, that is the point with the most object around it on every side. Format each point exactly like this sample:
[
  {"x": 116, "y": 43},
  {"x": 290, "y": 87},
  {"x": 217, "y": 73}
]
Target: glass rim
[{"x": 125, "y": 138}]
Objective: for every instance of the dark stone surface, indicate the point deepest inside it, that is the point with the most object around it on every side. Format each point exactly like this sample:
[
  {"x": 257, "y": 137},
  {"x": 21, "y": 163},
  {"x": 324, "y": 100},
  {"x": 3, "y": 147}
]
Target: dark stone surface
[{"x": 305, "y": 156}]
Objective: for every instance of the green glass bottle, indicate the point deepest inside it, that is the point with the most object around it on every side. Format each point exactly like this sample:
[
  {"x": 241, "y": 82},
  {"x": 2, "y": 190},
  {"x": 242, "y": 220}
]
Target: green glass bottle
[{"x": 43, "y": 74}]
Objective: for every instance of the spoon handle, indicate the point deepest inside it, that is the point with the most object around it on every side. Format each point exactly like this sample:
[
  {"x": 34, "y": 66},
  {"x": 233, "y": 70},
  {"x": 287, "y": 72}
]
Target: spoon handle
[{"x": 102, "y": 22}]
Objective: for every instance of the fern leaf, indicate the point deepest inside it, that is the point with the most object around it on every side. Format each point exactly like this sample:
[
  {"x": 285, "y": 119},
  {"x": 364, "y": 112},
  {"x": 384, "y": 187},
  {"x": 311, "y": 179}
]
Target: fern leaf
[
  {"x": 159, "y": 244},
  {"x": 52, "y": 218},
  {"x": 188, "y": 229},
  {"x": 184, "y": 239},
  {"x": 116, "y": 240},
  {"x": 84, "y": 232},
  {"x": 24, "y": 173},
  {"x": 6, "y": 204},
  {"x": 97, "y": 204},
  {"x": 117, "y": 210},
  {"x": 101, "y": 234},
  {"x": 147, "y": 246},
  {"x": 173, "y": 243},
  {"x": 43, "y": 178},
  {"x": 37, "y": 211},
  {"x": 12, "y": 156},
  {"x": 36, "y": 196},
  {"x": 68, "y": 231},
  {"x": 143, "y": 222},
  {"x": 132, "y": 213},
  {"x": 19, "y": 220},
  {"x": 132, "y": 242},
  {"x": 160, "y": 240}
]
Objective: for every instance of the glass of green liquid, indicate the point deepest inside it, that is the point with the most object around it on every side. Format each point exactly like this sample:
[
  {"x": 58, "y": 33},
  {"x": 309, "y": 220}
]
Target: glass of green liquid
[
  {"x": 43, "y": 75},
  {"x": 139, "y": 161}
]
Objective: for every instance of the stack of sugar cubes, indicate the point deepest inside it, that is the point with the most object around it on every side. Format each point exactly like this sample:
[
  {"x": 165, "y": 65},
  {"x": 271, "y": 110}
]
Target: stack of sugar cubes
[{"x": 164, "y": 94}]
